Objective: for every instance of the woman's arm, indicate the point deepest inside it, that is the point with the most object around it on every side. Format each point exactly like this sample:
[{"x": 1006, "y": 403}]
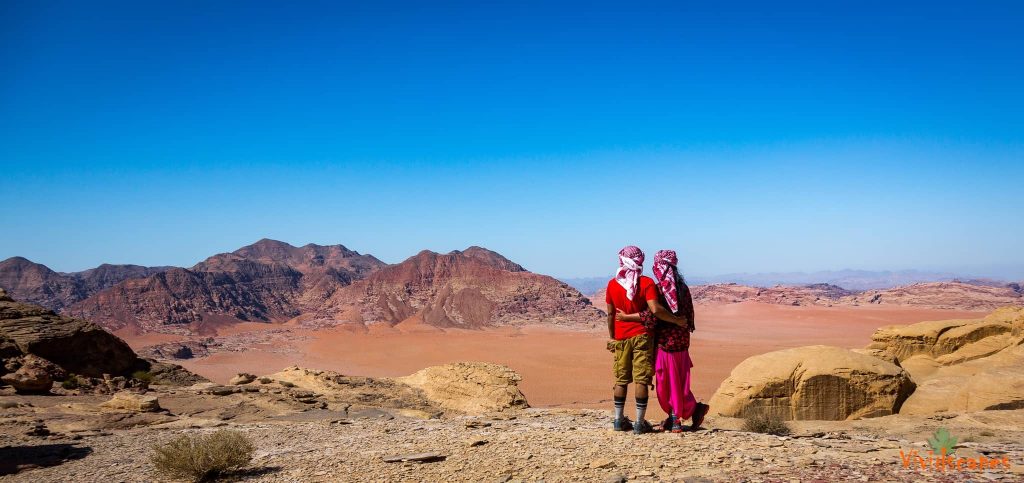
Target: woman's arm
[{"x": 628, "y": 317}]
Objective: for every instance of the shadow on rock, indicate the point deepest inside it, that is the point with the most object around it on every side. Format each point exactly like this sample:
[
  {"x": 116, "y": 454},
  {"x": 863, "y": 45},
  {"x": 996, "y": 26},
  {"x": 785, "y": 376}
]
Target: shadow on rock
[
  {"x": 17, "y": 458},
  {"x": 251, "y": 473}
]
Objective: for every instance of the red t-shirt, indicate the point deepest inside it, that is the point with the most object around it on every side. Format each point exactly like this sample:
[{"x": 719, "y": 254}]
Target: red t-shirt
[{"x": 616, "y": 296}]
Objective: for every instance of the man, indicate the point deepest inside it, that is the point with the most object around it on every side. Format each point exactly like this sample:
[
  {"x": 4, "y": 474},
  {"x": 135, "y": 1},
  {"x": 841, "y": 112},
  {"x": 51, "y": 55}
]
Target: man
[{"x": 630, "y": 293}]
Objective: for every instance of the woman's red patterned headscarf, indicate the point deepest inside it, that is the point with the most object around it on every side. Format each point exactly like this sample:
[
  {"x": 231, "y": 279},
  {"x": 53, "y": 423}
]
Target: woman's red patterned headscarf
[{"x": 665, "y": 274}]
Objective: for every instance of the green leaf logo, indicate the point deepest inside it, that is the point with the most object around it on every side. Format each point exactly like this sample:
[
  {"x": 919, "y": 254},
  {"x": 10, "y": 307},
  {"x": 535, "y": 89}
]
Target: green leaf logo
[{"x": 942, "y": 440}]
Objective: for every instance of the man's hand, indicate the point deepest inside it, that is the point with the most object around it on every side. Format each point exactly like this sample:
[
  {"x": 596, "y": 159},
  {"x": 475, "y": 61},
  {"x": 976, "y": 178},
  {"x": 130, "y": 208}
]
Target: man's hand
[{"x": 611, "y": 345}]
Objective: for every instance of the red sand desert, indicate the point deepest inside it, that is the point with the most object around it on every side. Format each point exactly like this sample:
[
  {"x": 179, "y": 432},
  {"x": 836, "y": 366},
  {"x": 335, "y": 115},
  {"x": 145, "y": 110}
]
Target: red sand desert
[{"x": 561, "y": 367}]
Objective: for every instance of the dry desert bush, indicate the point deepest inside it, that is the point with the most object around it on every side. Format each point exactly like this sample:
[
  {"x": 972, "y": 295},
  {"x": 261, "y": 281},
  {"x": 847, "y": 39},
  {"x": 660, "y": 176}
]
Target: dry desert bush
[
  {"x": 766, "y": 423},
  {"x": 203, "y": 457}
]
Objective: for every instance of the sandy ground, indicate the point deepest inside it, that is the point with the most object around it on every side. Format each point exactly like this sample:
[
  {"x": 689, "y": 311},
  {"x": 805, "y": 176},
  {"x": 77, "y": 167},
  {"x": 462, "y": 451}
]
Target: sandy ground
[{"x": 566, "y": 368}]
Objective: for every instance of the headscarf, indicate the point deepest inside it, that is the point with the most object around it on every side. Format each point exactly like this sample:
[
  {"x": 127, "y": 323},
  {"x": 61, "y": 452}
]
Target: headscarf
[
  {"x": 665, "y": 274},
  {"x": 631, "y": 265}
]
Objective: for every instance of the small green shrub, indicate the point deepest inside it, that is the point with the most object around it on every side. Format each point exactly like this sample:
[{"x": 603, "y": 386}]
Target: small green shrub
[
  {"x": 287, "y": 384},
  {"x": 203, "y": 457},
  {"x": 766, "y": 423},
  {"x": 71, "y": 382},
  {"x": 143, "y": 376}
]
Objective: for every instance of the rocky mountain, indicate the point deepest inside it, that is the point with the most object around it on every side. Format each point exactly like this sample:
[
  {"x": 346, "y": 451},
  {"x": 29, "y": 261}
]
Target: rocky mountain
[
  {"x": 471, "y": 289},
  {"x": 815, "y": 294},
  {"x": 106, "y": 275},
  {"x": 268, "y": 281},
  {"x": 952, "y": 295},
  {"x": 36, "y": 283}
]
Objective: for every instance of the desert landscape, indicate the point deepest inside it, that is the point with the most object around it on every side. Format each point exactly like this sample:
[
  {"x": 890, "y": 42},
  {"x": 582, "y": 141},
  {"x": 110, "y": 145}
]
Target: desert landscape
[
  {"x": 494, "y": 363},
  {"x": 346, "y": 241}
]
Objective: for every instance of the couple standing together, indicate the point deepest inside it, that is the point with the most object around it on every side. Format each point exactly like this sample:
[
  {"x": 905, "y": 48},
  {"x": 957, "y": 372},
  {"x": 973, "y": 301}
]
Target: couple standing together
[{"x": 649, "y": 322}]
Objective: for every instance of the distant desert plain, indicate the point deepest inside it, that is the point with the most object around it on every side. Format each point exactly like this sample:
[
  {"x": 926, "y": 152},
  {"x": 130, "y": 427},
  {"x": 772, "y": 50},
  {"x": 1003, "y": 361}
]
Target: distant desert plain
[{"x": 561, "y": 367}]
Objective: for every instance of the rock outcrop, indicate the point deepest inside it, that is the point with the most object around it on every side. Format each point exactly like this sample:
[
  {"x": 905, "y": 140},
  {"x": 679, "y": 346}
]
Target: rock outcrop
[
  {"x": 459, "y": 388},
  {"x": 39, "y": 347},
  {"x": 470, "y": 387},
  {"x": 129, "y": 401},
  {"x": 77, "y": 346},
  {"x": 474, "y": 288},
  {"x": 960, "y": 365},
  {"x": 813, "y": 383}
]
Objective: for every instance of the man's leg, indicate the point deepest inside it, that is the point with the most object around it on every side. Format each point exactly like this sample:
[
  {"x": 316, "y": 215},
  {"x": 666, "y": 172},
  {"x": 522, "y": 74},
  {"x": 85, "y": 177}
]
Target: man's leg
[
  {"x": 641, "y": 401},
  {"x": 619, "y": 395},
  {"x": 623, "y": 375},
  {"x": 643, "y": 372}
]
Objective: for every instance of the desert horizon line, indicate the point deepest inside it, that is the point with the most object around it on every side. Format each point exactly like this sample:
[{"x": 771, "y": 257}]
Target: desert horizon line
[{"x": 744, "y": 278}]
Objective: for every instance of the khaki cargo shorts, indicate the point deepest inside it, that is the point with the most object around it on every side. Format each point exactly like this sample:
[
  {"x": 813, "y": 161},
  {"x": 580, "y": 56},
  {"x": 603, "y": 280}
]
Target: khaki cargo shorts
[{"x": 634, "y": 360}]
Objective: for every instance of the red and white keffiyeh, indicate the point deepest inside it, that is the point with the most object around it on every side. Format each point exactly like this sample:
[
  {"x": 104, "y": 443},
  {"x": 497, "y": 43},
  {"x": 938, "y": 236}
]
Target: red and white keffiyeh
[
  {"x": 631, "y": 265},
  {"x": 665, "y": 274}
]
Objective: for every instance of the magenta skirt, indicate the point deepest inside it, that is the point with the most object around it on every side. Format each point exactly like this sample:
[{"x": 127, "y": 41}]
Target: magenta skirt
[{"x": 672, "y": 383}]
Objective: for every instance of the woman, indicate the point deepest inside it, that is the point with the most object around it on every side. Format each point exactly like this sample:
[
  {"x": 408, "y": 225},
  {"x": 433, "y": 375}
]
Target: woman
[{"x": 672, "y": 362}]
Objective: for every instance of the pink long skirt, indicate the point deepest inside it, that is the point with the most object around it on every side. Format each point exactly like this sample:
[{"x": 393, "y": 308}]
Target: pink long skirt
[{"x": 672, "y": 383}]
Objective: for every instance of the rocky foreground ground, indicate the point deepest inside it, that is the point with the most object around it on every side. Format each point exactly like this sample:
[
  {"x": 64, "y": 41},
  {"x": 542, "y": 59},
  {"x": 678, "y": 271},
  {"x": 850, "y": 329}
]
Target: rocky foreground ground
[{"x": 527, "y": 445}]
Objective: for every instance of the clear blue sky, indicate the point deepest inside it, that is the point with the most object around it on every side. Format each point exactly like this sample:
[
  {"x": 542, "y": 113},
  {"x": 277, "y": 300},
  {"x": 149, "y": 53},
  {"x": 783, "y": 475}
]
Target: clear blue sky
[{"x": 750, "y": 138}]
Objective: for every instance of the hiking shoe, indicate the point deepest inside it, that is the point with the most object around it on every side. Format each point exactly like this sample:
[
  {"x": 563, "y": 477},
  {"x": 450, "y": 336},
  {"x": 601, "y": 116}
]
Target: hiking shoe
[
  {"x": 677, "y": 426},
  {"x": 623, "y": 424},
  {"x": 667, "y": 424},
  {"x": 698, "y": 415},
  {"x": 642, "y": 427}
]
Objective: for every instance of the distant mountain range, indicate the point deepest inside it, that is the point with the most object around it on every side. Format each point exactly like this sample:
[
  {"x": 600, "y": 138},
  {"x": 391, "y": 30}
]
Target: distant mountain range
[
  {"x": 272, "y": 281},
  {"x": 28, "y": 281},
  {"x": 848, "y": 279},
  {"x": 937, "y": 295}
]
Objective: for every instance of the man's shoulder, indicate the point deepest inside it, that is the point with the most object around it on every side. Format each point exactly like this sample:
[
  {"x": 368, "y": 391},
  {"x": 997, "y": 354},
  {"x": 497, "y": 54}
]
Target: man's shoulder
[{"x": 645, "y": 280}]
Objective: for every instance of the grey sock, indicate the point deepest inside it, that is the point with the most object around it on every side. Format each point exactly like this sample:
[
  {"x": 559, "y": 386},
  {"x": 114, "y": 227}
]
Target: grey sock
[
  {"x": 641, "y": 408},
  {"x": 620, "y": 406}
]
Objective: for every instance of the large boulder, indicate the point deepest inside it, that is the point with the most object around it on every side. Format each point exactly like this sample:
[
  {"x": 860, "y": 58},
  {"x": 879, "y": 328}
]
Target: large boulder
[
  {"x": 34, "y": 375},
  {"x": 470, "y": 387},
  {"x": 77, "y": 346},
  {"x": 813, "y": 383}
]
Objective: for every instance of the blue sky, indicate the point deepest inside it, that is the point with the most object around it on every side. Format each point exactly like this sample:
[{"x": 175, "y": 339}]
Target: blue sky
[{"x": 789, "y": 137}]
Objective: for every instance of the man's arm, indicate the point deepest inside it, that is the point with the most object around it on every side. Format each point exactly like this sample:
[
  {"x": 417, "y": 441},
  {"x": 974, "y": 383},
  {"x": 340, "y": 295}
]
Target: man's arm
[
  {"x": 611, "y": 321},
  {"x": 663, "y": 314}
]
